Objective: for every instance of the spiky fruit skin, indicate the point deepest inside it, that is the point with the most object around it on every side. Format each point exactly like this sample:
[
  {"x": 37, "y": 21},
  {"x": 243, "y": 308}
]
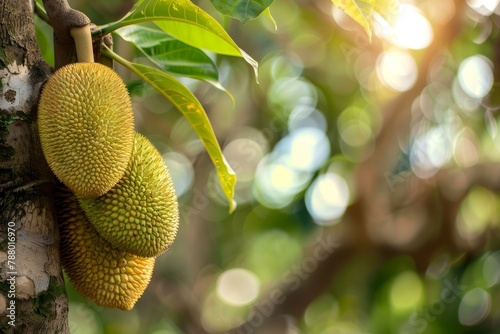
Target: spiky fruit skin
[
  {"x": 140, "y": 214},
  {"x": 101, "y": 273},
  {"x": 86, "y": 127}
]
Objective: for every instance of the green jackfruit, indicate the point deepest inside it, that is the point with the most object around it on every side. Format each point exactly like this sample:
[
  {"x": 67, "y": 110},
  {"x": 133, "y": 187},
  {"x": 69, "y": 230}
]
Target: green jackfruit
[
  {"x": 139, "y": 215},
  {"x": 86, "y": 126},
  {"x": 101, "y": 273}
]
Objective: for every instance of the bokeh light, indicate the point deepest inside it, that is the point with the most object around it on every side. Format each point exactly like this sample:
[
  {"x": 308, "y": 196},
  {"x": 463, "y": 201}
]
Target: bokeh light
[
  {"x": 475, "y": 76},
  {"x": 327, "y": 198},
  {"x": 412, "y": 30},
  {"x": 465, "y": 149},
  {"x": 491, "y": 269},
  {"x": 478, "y": 210},
  {"x": 287, "y": 170},
  {"x": 441, "y": 11},
  {"x": 483, "y": 7},
  {"x": 430, "y": 151},
  {"x": 285, "y": 94},
  {"x": 474, "y": 307},
  {"x": 323, "y": 311},
  {"x": 265, "y": 256},
  {"x": 306, "y": 117},
  {"x": 81, "y": 314},
  {"x": 237, "y": 286},
  {"x": 406, "y": 292},
  {"x": 244, "y": 154},
  {"x": 306, "y": 149},
  {"x": 464, "y": 101},
  {"x": 276, "y": 183},
  {"x": 397, "y": 70},
  {"x": 181, "y": 171}
]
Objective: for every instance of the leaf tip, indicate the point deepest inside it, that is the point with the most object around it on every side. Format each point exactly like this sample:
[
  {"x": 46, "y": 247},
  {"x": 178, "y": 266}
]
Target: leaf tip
[{"x": 232, "y": 205}]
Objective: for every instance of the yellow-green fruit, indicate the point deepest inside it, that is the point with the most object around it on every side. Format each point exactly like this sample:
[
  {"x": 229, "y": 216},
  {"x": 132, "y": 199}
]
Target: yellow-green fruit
[
  {"x": 86, "y": 127},
  {"x": 139, "y": 215},
  {"x": 101, "y": 273}
]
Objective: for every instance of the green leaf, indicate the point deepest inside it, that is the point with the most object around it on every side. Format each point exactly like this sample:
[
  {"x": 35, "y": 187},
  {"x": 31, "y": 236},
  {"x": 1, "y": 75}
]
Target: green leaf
[
  {"x": 362, "y": 11},
  {"x": 171, "y": 55},
  {"x": 388, "y": 10},
  {"x": 44, "y": 41},
  {"x": 192, "y": 109},
  {"x": 242, "y": 10},
  {"x": 184, "y": 21},
  {"x": 267, "y": 12}
]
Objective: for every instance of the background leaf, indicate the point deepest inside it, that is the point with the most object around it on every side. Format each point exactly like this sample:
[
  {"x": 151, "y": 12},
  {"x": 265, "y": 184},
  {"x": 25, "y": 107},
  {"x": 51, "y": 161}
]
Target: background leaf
[
  {"x": 242, "y": 10},
  {"x": 171, "y": 55},
  {"x": 388, "y": 9},
  {"x": 362, "y": 11},
  {"x": 193, "y": 111},
  {"x": 186, "y": 22}
]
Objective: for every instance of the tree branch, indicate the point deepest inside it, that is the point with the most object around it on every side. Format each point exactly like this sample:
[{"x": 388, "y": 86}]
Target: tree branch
[{"x": 62, "y": 19}]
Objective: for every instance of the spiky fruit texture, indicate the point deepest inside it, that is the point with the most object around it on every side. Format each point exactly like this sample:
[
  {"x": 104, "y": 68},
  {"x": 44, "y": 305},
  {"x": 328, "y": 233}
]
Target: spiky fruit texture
[
  {"x": 140, "y": 214},
  {"x": 101, "y": 273},
  {"x": 86, "y": 127}
]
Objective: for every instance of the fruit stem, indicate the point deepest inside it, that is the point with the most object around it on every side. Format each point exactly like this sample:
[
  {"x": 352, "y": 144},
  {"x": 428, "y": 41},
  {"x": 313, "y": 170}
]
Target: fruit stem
[{"x": 83, "y": 43}]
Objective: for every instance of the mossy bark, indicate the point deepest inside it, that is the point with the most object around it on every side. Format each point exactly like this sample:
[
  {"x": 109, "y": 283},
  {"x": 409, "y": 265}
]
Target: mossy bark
[{"x": 32, "y": 294}]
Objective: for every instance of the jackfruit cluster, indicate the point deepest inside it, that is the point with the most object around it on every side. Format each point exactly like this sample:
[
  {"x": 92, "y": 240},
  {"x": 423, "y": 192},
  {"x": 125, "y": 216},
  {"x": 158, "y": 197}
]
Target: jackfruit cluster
[{"x": 117, "y": 208}]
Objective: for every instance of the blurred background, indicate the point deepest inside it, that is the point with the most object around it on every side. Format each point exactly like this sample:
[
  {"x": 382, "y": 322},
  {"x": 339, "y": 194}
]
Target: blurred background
[{"x": 368, "y": 177}]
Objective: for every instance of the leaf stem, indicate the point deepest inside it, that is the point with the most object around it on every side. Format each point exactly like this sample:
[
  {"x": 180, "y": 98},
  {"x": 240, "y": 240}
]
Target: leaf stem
[
  {"x": 41, "y": 13},
  {"x": 109, "y": 53}
]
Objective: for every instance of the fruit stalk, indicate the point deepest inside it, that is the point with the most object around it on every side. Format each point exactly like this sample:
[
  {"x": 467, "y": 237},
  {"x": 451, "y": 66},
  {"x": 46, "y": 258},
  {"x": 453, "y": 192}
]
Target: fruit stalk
[{"x": 83, "y": 43}]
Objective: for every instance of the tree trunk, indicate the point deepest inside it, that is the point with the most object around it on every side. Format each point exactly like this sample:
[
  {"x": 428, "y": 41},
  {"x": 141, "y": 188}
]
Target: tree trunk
[{"x": 32, "y": 293}]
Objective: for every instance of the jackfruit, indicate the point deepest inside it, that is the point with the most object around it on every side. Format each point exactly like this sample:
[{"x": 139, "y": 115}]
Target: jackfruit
[
  {"x": 86, "y": 127},
  {"x": 139, "y": 215},
  {"x": 101, "y": 273}
]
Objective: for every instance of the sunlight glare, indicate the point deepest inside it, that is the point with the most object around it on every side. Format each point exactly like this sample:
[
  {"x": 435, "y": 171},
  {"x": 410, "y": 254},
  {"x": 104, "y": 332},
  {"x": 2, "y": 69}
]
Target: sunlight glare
[{"x": 412, "y": 30}]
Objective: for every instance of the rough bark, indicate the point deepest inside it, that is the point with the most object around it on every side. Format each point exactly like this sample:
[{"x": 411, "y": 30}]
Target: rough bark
[{"x": 29, "y": 252}]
